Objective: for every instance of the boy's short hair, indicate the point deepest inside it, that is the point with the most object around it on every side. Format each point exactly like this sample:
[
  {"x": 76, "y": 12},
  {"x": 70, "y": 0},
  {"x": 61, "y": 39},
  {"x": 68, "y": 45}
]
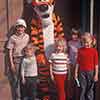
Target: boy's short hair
[
  {"x": 30, "y": 46},
  {"x": 75, "y": 32}
]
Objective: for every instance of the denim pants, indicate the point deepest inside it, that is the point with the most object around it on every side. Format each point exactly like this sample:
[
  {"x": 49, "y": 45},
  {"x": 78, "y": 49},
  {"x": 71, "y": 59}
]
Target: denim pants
[
  {"x": 87, "y": 85},
  {"x": 31, "y": 87},
  {"x": 15, "y": 79}
]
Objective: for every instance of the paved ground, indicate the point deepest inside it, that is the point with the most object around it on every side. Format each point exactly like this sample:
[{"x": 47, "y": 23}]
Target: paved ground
[{"x": 5, "y": 93}]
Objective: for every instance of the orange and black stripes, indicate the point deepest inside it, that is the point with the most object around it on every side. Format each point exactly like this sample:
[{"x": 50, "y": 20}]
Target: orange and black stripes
[
  {"x": 43, "y": 69},
  {"x": 58, "y": 27},
  {"x": 36, "y": 35}
]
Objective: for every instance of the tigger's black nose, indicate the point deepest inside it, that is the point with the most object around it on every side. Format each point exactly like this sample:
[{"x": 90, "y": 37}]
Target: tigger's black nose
[{"x": 43, "y": 7}]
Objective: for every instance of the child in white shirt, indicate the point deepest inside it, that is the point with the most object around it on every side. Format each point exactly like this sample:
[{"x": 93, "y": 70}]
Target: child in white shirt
[{"x": 29, "y": 72}]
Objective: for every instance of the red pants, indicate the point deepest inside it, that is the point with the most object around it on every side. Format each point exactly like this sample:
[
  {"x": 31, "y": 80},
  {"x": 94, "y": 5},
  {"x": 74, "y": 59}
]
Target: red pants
[{"x": 60, "y": 84}]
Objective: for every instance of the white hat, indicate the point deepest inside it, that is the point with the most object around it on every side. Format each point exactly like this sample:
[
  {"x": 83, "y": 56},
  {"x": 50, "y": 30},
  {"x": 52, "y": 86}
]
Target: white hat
[{"x": 21, "y": 22}]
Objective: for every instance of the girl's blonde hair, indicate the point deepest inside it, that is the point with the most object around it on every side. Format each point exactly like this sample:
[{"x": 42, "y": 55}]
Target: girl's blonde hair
[
  {"x": 87, "y": 37},
  {"x": 61, "y": 42}
]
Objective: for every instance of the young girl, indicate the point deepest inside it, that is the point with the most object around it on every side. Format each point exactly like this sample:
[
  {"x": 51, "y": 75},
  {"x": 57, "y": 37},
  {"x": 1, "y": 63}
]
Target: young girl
[
  {"x": 87, "y": 68},
  {"x": 60, "y": 64},
  {"x": 94, "y": 41},
  {"x": 29, "y": 72},
  {"x": 15, "y": 46},
  {"x": 73, "y": 45}
]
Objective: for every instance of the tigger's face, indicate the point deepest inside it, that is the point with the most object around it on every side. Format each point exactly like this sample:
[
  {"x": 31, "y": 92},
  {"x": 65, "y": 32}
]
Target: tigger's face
[{"x": 43, "y": 8}]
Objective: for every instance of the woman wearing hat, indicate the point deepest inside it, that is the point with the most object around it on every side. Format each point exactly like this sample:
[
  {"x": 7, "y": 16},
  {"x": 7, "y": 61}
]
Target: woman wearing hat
[
  {"x": 15, "y": 45},
  {"x": 87, "y": 68}
]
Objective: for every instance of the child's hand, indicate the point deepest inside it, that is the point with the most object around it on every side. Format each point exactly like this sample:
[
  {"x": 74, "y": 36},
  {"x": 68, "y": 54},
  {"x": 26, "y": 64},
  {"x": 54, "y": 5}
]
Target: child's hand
[
  {"x": 76, "y": 76},
  {"x": 76, "y": 71},
  {"x": 23, "y": 81},
  {"x": 52, "y": 77},
  {"x": 69, "y": 67},
  {"x": 95, "y": 78},
  {"x": 13, "y": 68}
]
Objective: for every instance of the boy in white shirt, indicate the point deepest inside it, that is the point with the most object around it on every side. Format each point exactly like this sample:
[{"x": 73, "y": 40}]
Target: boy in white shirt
[{"x": 29, "y": 72}]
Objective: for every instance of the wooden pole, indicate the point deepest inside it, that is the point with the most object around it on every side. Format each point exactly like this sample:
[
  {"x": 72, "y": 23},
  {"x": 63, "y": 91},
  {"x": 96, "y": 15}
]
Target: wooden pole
[
  {"x": 7, "y": 14},
  {"x": 91, "y": 15}
]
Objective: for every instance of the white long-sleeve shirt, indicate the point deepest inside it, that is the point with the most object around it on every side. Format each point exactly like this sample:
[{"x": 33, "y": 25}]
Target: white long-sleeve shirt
[{"x": 29, "y": 67}]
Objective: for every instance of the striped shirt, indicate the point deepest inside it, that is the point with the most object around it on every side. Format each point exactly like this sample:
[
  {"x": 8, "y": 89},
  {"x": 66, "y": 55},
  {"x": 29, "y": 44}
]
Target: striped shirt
[{"x": 59, "y": 63}]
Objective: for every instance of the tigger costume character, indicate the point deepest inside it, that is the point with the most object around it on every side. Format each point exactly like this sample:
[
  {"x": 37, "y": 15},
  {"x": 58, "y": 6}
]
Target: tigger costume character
[{"x": 46, "y": 28}]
